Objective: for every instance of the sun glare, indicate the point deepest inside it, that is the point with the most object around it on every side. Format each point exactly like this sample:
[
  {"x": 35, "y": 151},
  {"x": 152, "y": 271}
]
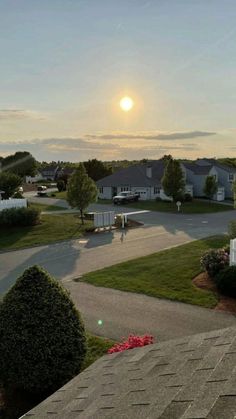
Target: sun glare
[{"x": 126, "y": 103}]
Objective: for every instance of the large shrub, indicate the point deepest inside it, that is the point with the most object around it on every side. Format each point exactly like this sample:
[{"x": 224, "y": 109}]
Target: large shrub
[
  {"x": 232, "y": 229},
  {"x": 42, "y": 337},
  {"x": 61, "y": 186},
  {"x": 19, "y": 217},
  {"x": 226, "y": 281},
  {"x": 188, "y": 197},
  {"x": 214, "y": 260}
]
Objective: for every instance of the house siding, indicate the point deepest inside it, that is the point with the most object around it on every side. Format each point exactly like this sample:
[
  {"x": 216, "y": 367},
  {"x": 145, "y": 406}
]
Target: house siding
[
  {"x": 105, "y": 192},
  {"x": 198, "y": 182},
  {"x": 223, "y": 178}
]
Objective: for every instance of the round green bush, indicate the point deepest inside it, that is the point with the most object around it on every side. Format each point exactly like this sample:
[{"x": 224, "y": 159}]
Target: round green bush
[
  {"x": 42, "y": 337},
  {"x": 226, "y": 281}
]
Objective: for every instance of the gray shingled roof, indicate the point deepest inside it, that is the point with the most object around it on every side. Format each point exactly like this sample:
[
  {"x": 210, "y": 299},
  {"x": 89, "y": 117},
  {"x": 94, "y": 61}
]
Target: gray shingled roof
[
  {"x": 197, "y": 169},
  {"x": 187, "y": 378},
  {"x": 215, "y": 163},
  {"x": 135, "y": 176}
]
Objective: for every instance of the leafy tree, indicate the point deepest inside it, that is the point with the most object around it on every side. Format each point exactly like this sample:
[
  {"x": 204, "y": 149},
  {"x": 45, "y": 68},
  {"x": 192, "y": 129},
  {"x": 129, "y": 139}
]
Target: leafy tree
[
  {"x": 166, "y": 158},
  {"x": 42, "y": 336},
  {"x": 173, "y": 181},
  {"x": 210, "y": 187},
  {"x": 81, "y": 190},
  {"x": 9, "y": 182},
  {"x": 234, "y": 192},
  {"x": 22, "y": 163},
  {"x": 61, "y": 185},
  {"x": 96, "y": 169}
]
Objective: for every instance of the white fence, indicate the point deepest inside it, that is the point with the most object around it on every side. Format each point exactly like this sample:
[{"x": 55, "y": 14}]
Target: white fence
[
  {"x": 12, "y": 203},
  {"x": 104, "y": 219}
]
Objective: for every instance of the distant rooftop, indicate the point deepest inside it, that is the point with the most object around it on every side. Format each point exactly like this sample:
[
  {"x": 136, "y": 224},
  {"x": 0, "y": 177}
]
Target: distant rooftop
[{"x": 188, "y": 378}]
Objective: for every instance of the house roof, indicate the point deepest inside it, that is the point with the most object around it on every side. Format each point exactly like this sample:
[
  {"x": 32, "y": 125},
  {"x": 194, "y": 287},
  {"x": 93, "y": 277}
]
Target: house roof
[
  {"x": 135, "y": 175},
  {"x": 51, "y": 169},
  {"x": 215, "y": 163},
  {"x": 198, "y": 169},
  {"x": 192, "y": 377}
]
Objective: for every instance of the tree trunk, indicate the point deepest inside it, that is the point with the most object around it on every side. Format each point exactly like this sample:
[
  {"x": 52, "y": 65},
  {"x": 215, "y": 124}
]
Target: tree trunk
[{"x": 82, "y": 216}]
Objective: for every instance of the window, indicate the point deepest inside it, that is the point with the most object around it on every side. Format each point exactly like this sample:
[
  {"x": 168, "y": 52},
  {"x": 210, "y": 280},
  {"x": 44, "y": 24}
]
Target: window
[
  {"x": 231, "y": 177},
  {"x": 101, "y": 189},
  {"x": 157, "y": 190},
  {"x": 124, "y": 188}
]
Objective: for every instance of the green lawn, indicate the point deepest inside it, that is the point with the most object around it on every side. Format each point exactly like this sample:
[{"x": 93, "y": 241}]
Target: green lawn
[
  {"x": 59, "y": 195},
  {"x": 43, "y": 207},
  {"x": 167, "y": 274},
  {"x": 97, "y": 347},
  {"x": 51, "y": 229},
  {"x": 194, "y": 207}
]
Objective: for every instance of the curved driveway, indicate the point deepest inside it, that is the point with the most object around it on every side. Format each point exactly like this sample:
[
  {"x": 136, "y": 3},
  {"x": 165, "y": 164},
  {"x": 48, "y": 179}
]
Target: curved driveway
[{"x": 124, "y": 313}]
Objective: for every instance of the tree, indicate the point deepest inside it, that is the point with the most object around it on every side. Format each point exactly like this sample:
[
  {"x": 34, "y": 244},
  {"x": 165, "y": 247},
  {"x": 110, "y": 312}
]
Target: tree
[
  {"x": 81, "y": 190},
  {"x": 234, "y": 193},
  {"x": 61, "y": 185},
  {"x": 173, "y": 181},
  {"x": 210, "y": 187},
  {"x": 22, "y": 163},
  {"x": 96, "y": 169},
  {"x": 166, "y": 158},
  {"x": 9, "y": 182},
  {"x": 42, "y": 336}
]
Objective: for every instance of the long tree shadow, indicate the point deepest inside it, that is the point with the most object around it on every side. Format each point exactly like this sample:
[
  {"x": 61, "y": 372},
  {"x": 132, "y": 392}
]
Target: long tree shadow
[{"x": 51, "y": 258}]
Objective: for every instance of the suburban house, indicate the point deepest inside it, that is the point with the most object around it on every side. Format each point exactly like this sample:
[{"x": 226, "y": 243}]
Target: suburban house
[
  {"x": 33, "y": 179},
  {"x": 146, "y": 179},
  {"x": 187, "y": 378},
  {"x": 197, "y": 172},
  {"x": 50, "y": 172}
]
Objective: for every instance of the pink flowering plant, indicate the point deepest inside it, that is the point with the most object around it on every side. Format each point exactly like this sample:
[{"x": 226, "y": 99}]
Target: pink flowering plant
[
  {"x": 132, "y": 342},
  {"x": 214, "y": 260}
]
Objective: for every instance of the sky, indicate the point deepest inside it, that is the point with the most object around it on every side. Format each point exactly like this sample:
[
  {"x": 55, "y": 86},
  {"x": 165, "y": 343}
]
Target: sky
[{"x": 65, "y": 65}]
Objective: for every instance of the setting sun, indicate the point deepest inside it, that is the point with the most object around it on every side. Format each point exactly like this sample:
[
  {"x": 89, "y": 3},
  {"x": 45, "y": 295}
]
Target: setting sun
[{"x": 126, "y": 103}]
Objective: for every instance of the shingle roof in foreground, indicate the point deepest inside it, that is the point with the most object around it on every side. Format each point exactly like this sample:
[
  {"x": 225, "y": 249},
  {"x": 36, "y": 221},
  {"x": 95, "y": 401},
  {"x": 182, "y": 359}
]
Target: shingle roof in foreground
[{"x": 187, "y": 378}]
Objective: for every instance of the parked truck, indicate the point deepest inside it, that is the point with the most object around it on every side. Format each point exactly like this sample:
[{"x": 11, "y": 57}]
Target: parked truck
[{"x": 125, "y": 197}]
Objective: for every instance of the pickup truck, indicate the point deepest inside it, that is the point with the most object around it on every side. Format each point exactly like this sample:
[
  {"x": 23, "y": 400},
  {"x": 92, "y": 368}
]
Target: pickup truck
[
  {"x": 42, "y": 190},
  {"x": 125, "y": 197}
]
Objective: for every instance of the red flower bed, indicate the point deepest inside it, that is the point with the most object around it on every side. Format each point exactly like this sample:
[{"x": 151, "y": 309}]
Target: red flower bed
[{"x": 132, "y": 342}]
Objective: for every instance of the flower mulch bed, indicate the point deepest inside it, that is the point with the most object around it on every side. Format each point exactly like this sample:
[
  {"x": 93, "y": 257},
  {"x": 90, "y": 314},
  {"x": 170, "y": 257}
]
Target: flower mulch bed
[{"x": 225, "y": 303}]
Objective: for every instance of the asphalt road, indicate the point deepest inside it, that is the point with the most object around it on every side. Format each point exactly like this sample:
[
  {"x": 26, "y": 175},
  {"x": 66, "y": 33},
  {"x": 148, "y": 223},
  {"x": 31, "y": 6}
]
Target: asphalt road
[
  {"x": 123, "y": 313},
  {"x": 73, "y": 258},
  {"x": 137, "y": 313}
]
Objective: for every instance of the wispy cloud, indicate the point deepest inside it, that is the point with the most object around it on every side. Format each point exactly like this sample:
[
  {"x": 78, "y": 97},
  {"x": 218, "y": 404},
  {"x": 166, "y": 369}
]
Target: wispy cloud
[
  {"x": 76, "y": 144},
  {"x": 158, "y": 136},
  {"x": 19, "y": 114}
]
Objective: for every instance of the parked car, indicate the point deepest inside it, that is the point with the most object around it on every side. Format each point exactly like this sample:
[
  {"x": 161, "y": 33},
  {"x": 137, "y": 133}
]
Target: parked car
[
  {"x": 42, "y": 190},
  {"x": 125, "y": 197}
]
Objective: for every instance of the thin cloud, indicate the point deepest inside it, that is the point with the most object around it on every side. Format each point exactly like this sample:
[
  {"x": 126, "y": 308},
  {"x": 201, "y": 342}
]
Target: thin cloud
[
  {"x": 162, "y": 136},
  {"x": 19, "y": 114}
]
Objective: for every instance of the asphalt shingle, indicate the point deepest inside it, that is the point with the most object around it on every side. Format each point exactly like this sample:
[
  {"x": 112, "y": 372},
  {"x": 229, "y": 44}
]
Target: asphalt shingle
[{"x": 187, "y": 378}]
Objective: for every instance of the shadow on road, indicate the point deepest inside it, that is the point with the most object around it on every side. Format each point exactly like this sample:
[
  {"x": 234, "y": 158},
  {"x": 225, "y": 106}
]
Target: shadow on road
[{"x": 51, "y": 258}]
